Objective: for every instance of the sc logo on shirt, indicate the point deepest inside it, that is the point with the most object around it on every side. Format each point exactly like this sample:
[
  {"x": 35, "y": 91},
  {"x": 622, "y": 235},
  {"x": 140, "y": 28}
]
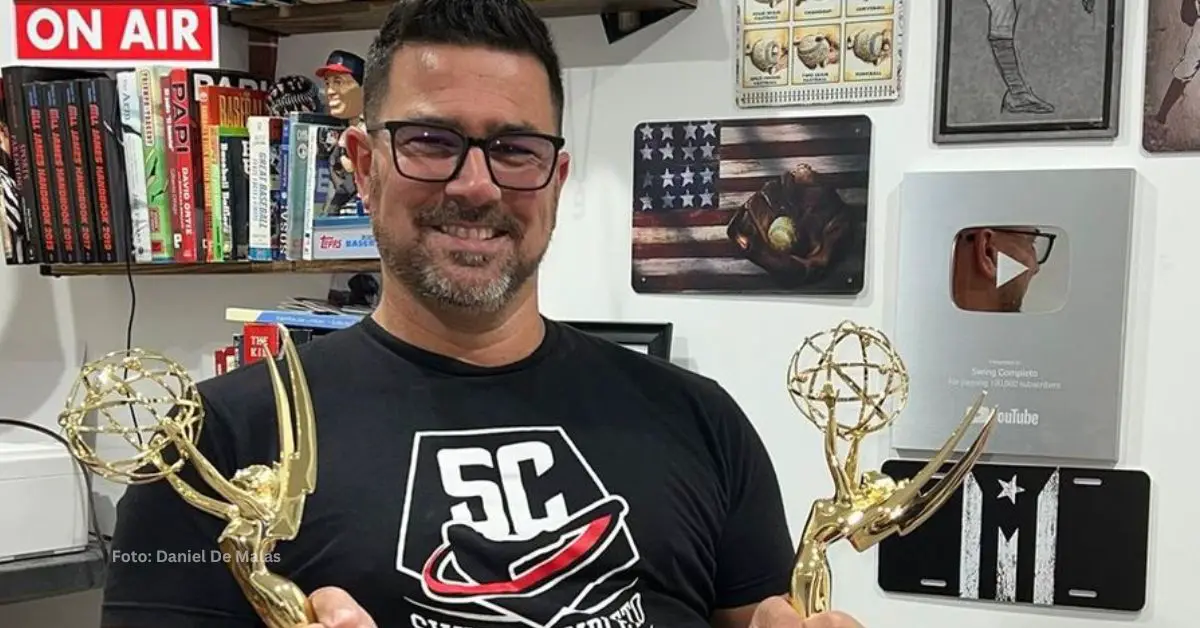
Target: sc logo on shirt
[{"x": 512, "y": 524}]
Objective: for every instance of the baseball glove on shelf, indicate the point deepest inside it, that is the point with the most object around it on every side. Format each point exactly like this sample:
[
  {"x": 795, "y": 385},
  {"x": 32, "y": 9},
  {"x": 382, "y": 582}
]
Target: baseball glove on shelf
[{"x": 795, "y": 227}]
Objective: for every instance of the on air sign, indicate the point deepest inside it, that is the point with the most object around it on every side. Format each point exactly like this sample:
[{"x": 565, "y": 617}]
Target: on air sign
[{"x": 115, "y": 32}]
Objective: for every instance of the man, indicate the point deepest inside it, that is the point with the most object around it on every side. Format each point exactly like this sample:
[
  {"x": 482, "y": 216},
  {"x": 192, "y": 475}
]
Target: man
[
  {"x": 1189, "y": 61},
  {"x": 977, "y": 262},
  {"x": 1003, "y": 16},
  {"x": 479, "y": 464}
]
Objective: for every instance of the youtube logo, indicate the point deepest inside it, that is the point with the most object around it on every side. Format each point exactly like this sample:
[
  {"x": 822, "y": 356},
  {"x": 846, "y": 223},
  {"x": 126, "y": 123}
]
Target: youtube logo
[{"x": 1007, "y": 269}]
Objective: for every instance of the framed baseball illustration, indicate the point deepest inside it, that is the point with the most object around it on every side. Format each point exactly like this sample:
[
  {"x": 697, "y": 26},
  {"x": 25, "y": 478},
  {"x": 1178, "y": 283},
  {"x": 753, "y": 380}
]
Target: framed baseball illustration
[
  {"x": 1019, "y": 70},
  {"x": 649, "y": 338},
  {"x": 1170, "y": 120},
  {"x": 1035, "y": 535},
  {"x": 751, "y": 206}
]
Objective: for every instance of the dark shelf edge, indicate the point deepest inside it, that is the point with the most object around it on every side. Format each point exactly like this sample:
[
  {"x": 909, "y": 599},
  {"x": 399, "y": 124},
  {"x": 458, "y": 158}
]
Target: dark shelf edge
[
  {"x": 215, "y": 268},
  {"x": 30, "y": 579}
]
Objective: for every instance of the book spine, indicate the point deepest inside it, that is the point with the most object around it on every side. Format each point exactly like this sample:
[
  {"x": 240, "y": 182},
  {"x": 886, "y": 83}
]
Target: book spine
[
  {"x": 80, "y": 169},
  {"x": 210, "y": 173},
  {"x": 55, "y": 115},
  {"x": 297, "y": 185},
  {"x": 154, "y": 163},
  {"x": 40, "y": 174},
  {"x": 23, "y": 181},
  {"x": 130, "y": 111},
  {"x": 260, "y": 188},
  {"x": 106, "y": 219},
  {"x": 114, "y": 163},
  {"x": 183, "y": 166},
  {"x": 286, "y": 141}
]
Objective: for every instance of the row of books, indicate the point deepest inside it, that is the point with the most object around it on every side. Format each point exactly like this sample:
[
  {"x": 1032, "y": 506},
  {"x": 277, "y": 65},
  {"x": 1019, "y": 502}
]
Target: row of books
[{"x": 161, "y": 164}]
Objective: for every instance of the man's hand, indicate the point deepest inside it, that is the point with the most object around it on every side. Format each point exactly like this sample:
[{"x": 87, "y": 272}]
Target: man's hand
[
  {"x": 777, "y": 612},
  {"x": 336, "y": 609}
]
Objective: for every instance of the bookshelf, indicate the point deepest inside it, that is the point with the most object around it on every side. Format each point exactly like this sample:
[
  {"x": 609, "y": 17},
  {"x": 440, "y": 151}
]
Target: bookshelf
[
  {"x": 215, "y": 268},
  {"x": 354, "y": 15}
]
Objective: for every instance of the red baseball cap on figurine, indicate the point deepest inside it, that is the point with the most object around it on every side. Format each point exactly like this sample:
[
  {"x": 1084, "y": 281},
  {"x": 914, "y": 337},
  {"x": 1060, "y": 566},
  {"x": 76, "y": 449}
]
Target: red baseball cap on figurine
[{"x": 343, "y": 62}]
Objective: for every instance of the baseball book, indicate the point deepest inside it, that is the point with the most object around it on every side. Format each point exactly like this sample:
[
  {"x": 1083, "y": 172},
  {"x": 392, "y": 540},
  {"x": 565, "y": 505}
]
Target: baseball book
[{"x": 224, "y": 115}]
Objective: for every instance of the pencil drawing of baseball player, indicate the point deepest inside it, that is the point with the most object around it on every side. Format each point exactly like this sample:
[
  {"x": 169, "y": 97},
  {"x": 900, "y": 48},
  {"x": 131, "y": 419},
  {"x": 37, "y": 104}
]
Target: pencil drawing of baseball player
[{"x": 1003, "y": 19}]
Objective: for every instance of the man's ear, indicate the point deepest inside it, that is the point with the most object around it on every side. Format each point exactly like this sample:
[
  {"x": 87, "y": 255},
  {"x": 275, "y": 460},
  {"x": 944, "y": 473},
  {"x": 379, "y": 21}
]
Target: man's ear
[
  {"x": 358, "y": 149},
  {"x": 985, "y": 252},
  {"x": 563, "y": 169}
]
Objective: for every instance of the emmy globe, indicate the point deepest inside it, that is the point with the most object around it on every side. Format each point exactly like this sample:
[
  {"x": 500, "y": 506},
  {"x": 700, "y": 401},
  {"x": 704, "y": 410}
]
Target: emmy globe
[
  {"x": 261, "y": 504},
  {"x": 855, "y": 369}
]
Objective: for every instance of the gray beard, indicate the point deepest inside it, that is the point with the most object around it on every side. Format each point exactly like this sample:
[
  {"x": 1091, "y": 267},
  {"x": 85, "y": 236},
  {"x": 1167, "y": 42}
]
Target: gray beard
[{"x": 414, "y": 267}]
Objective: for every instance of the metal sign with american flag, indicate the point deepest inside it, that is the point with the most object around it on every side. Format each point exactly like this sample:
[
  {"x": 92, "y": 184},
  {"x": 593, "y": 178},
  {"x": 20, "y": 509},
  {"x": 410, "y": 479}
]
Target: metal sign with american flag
[{"x": 775, "y": 205}]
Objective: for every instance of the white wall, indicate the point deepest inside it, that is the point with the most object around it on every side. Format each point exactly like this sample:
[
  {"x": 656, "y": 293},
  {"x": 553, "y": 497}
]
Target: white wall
[{"x": 681, "y": 69}]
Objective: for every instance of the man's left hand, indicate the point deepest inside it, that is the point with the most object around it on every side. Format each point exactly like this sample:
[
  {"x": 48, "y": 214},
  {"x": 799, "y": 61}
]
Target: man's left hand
[{"x": 777, "y": 612}]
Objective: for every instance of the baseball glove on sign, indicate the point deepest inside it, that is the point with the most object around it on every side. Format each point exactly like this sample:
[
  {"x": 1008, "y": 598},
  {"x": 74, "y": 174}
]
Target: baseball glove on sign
[{"x": 794, "y": 227}]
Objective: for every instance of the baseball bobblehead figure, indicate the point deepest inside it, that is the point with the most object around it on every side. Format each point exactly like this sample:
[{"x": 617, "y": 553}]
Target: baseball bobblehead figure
[{"x": 343, "y": 76}]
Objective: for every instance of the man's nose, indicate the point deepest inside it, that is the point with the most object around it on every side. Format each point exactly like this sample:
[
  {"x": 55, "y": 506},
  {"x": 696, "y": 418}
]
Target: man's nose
[{"x": 474, "y": 181}]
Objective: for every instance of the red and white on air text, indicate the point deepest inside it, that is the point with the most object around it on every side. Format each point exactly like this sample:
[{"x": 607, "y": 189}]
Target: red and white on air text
[{"x": 101, "y": 30}]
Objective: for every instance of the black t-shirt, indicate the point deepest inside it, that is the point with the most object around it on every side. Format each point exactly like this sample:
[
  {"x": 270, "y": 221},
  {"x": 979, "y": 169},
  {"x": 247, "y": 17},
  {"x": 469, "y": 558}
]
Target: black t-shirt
[{"x": 586, "y": 481}]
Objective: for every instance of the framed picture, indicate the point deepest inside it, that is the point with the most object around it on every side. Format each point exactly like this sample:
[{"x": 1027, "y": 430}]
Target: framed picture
[
  {"x": 1019, "y": 70},
  {"x": 649, "y": 338},
  {"x": 1170, "y": 119}
]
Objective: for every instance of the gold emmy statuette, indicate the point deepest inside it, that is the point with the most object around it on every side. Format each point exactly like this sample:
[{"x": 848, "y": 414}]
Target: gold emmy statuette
[
  {"x": 868, "y": 506},
  {"x": 262, "y": 504}
]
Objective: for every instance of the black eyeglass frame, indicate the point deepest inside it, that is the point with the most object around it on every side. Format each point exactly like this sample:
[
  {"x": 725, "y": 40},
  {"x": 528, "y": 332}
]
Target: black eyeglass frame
[
  {"x": 1050, "y": 237},
  {"x": 469, "y": 142}
]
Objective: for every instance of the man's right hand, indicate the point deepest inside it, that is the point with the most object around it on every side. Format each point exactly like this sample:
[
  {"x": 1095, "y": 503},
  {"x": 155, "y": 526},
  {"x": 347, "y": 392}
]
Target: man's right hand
[{"x": 335, "y": 608}]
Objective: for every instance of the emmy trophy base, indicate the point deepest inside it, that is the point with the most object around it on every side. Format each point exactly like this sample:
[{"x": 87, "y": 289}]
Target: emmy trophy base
[{"x": 1019, "y": 534}]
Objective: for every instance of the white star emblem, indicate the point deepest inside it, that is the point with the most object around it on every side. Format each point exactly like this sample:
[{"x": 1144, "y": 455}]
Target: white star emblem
[
  {"x": 1010, "y": 490},
  {"x": 668, "y": 151},
  {"x": 689, "y": 152},
  {"x": 647, "y": 132},
  {"x": 647, "y": 204},
  {"x": 706, "y": 175},
  {"x": 688, "y": 176},
  {"x": 706, "y": 199},
  {"x": 707, "y": 149},
  {"x": 710, "y": 128},
  {"x": 668, "y": 179},
  {"x": 689, "y": 130},
  {"x": 668, "y": 199},
  {"x": 687, "y": 200},
  {"x": 647, "y": 153},
  {"x": 667, "y": 132}
]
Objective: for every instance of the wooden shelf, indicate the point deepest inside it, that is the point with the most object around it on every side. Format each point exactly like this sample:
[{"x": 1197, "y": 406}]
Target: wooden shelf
[
  {"x": 356, "y": 15},
  {"x": 217, "y": 268}
]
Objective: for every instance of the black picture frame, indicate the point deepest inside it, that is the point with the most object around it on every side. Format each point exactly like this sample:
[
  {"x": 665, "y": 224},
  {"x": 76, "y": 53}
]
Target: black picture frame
[
  {"x": 644, "y": 337},
  {"x": 1107, "y": 127}
]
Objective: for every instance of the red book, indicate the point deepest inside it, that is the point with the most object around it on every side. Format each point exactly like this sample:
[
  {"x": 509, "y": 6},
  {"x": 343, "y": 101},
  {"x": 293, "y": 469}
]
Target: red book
[{"x": 259, "y": 340}]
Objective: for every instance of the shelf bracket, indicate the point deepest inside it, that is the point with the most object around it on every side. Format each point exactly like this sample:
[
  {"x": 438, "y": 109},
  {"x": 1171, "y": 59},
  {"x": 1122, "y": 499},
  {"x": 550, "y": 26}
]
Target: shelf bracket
[{"x": 620, "y": 25}]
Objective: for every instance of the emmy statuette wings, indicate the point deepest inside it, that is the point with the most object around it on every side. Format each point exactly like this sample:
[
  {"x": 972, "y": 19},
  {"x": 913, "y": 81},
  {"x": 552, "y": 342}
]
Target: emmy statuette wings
[
  {"x": 262, "y": 504},
  {"x": 869, "y": 506}
]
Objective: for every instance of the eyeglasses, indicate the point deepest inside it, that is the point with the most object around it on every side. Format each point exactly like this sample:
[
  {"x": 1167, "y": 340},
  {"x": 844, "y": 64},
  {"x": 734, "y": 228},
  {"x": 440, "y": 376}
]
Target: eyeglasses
[
  {"x": 517, "y": 160},
  {"x": 1041, "y": 242}
]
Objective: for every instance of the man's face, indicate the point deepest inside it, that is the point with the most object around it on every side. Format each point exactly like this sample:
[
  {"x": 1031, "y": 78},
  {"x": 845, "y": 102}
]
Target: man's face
[
  {"x": 467, "y": 243},
  {"x": 344, "y": 95}
]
